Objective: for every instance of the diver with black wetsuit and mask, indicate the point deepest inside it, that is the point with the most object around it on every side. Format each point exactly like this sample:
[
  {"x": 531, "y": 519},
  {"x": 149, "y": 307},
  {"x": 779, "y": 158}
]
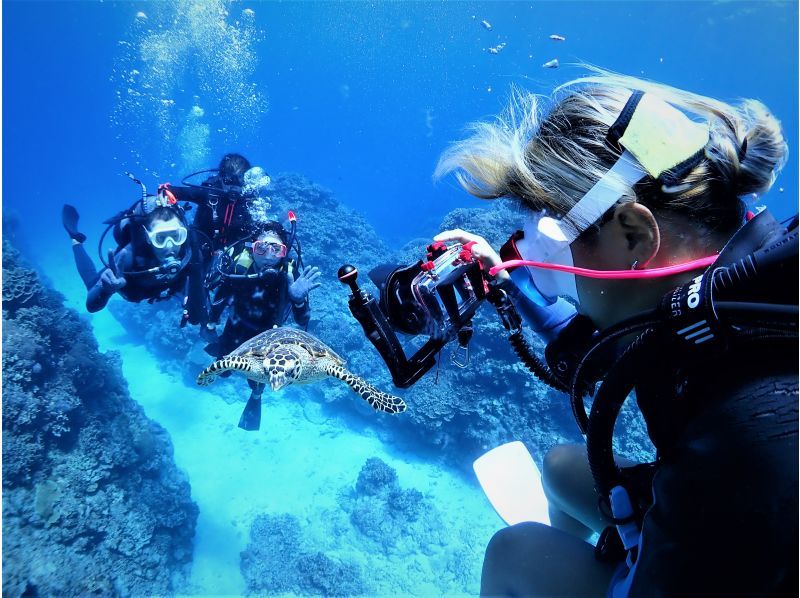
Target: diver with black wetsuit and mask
[
  {"x": 643, "y": 268},
  {"x": 223, "y": 200},
  {"x": 260, "y": 286},
  {"x": 635, "y": 215},
  {"x": 151, "y": 261}
]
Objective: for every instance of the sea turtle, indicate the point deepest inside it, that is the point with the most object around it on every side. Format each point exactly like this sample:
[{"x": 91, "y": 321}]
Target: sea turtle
[{"x": 283, "y": 356}]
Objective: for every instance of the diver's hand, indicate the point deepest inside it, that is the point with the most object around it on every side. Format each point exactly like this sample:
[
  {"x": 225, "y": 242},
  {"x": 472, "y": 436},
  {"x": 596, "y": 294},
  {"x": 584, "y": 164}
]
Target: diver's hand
[
  {"x": 305, "y": 283},
  {"x": 481, "y": 250},
  {"x": 111, "y": 283},
  {"x": 111, "y": 280}
]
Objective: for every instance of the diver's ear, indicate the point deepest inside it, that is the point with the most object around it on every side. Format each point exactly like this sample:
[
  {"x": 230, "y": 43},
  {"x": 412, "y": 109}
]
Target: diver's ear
[{"x": 639, "y": 229}]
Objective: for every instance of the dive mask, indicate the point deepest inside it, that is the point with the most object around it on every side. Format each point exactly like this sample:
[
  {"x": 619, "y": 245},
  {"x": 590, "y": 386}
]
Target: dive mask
[
  {"x": 269, "y": 248},
  {"x": 165, "y": 234},
  {"x": 655, "y": 139}
]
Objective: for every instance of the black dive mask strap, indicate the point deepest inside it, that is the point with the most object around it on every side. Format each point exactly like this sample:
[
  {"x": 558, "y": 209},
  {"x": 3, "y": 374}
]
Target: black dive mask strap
[{"x": 615, "y": 132}]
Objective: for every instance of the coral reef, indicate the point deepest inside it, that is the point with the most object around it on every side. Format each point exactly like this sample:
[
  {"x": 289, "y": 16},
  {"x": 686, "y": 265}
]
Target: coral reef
[
  {"x": 386, "y": 513},
  {"x": 92, "y": 500},
  {"x": 278, "y": 560},
  {"x": 19, "y": 286},
  {"x": 375, "y": 477},
  {"x": 382, "y": 540}
]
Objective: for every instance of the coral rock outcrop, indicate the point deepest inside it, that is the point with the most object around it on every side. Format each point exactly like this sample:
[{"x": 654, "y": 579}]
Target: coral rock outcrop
[{"x": 93, "y": 503}]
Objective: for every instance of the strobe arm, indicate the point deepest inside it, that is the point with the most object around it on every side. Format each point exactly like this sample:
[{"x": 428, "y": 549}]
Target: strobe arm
[{"x": 376, "y": 327}]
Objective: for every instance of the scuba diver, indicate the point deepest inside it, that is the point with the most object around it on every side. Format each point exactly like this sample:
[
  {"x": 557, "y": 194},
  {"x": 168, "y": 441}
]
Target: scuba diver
[
  {"x": 261, "y": 286},
  {"x": 636, "y": 207},
  {"x": 223, "y": 200},
  {"x": 151, "y": 261}
]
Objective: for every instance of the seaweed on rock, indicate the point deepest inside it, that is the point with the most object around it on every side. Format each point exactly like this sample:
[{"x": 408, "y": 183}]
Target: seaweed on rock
[{"x": 93, "y": 502}]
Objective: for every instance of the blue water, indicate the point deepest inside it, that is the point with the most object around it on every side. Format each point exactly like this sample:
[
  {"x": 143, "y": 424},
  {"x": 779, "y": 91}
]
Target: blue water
[
  {"x": 359, "y": 97},
  {"x": 363, "y": 97}
]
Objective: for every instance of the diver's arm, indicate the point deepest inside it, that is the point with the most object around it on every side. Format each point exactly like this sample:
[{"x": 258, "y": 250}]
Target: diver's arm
[
  {"x": 301, "y": 311},
  {"x": 110, "y": 281},
  {"x": 190, "y": 194},
  {"x": 196, "y": 302},
  {"x": 98, "y": 297},
  {"x": 221, "y": 300},
  {"x": 545, "y": 321}
]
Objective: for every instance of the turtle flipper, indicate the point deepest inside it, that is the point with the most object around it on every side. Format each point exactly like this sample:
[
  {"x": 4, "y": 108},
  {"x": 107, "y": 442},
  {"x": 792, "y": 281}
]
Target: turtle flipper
[
  {"x": 208, "y": 375},
  {"x": 380, "y": 401}
]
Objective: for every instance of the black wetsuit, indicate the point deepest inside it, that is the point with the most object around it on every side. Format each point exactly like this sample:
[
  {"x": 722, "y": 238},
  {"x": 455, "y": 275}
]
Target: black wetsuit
[
  {"x": 256, "y": 305},
  {"x": 140, "y": 285},
  {"x": 724, "y": 517},
  {"x": 151, "y": 286},
  {"x": 724, "y": 521},
  {"x": 222, "y": 215}
]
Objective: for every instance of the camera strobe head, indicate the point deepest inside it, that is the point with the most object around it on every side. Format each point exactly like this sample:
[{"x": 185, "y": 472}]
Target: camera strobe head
[{"x": 348, "y": 275}]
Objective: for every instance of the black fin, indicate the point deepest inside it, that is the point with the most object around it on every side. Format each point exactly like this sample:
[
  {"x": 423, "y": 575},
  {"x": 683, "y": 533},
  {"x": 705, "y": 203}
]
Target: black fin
[
  {"x": 213, "y": 349},
  {"x": 251, "y": 416},
  {"x": 69, "y": 217}
]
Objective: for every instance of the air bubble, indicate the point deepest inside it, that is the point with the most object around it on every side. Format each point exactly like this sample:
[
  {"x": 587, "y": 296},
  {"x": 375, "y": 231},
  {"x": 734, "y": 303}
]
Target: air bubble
[{"x": 187, "y": 44}]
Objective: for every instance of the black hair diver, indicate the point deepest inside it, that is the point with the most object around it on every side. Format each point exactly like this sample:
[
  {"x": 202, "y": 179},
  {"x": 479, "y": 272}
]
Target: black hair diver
[
  {"x": 260, "y": 285},
  {"x": 152, "y": 258}
]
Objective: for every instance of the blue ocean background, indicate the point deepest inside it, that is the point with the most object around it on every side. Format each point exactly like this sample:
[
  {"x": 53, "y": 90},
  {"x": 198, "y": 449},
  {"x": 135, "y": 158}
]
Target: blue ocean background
[{"x": 359, "y": 98}]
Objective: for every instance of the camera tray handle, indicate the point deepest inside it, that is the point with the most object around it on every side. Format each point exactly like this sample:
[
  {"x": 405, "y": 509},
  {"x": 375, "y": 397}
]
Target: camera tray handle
[{"x": 364, "y": 308}]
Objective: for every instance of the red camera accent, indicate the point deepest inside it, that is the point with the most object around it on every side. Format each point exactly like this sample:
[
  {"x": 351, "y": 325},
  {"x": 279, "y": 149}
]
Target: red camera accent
[{"x": 466, "y": 251}]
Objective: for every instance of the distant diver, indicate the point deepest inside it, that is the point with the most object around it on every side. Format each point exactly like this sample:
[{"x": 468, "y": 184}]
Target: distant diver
[
  {"x": 258, "y": 281},
  {"x": 151, "y": 261},
  {"x": 223, "y": 199}
]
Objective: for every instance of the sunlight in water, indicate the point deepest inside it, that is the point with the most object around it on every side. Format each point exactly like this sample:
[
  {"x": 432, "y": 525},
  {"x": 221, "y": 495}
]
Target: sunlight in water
[{"x": 183, "y": 65}]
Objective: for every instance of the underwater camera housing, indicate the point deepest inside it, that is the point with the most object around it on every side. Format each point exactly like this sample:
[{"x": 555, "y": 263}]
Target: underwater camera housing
[{"x": 436, "y": 297}]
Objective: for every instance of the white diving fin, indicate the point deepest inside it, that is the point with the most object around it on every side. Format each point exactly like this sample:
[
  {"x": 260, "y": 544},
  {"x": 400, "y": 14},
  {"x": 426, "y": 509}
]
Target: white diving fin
[{"x": 513, "y": 484}]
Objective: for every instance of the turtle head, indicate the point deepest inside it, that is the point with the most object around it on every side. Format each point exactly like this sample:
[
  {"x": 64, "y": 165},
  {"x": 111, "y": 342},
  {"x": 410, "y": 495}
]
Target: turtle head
[{"x": 282, "y": 367}]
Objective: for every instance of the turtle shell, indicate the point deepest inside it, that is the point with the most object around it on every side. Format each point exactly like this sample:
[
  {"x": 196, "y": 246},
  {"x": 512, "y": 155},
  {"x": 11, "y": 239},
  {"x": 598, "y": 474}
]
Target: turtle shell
[{"x": 261, "y": 344}]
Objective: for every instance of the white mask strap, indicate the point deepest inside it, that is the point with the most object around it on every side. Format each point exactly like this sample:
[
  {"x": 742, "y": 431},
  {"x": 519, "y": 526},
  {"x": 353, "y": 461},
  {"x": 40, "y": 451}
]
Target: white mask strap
[{"x": 625, "y": 173}]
